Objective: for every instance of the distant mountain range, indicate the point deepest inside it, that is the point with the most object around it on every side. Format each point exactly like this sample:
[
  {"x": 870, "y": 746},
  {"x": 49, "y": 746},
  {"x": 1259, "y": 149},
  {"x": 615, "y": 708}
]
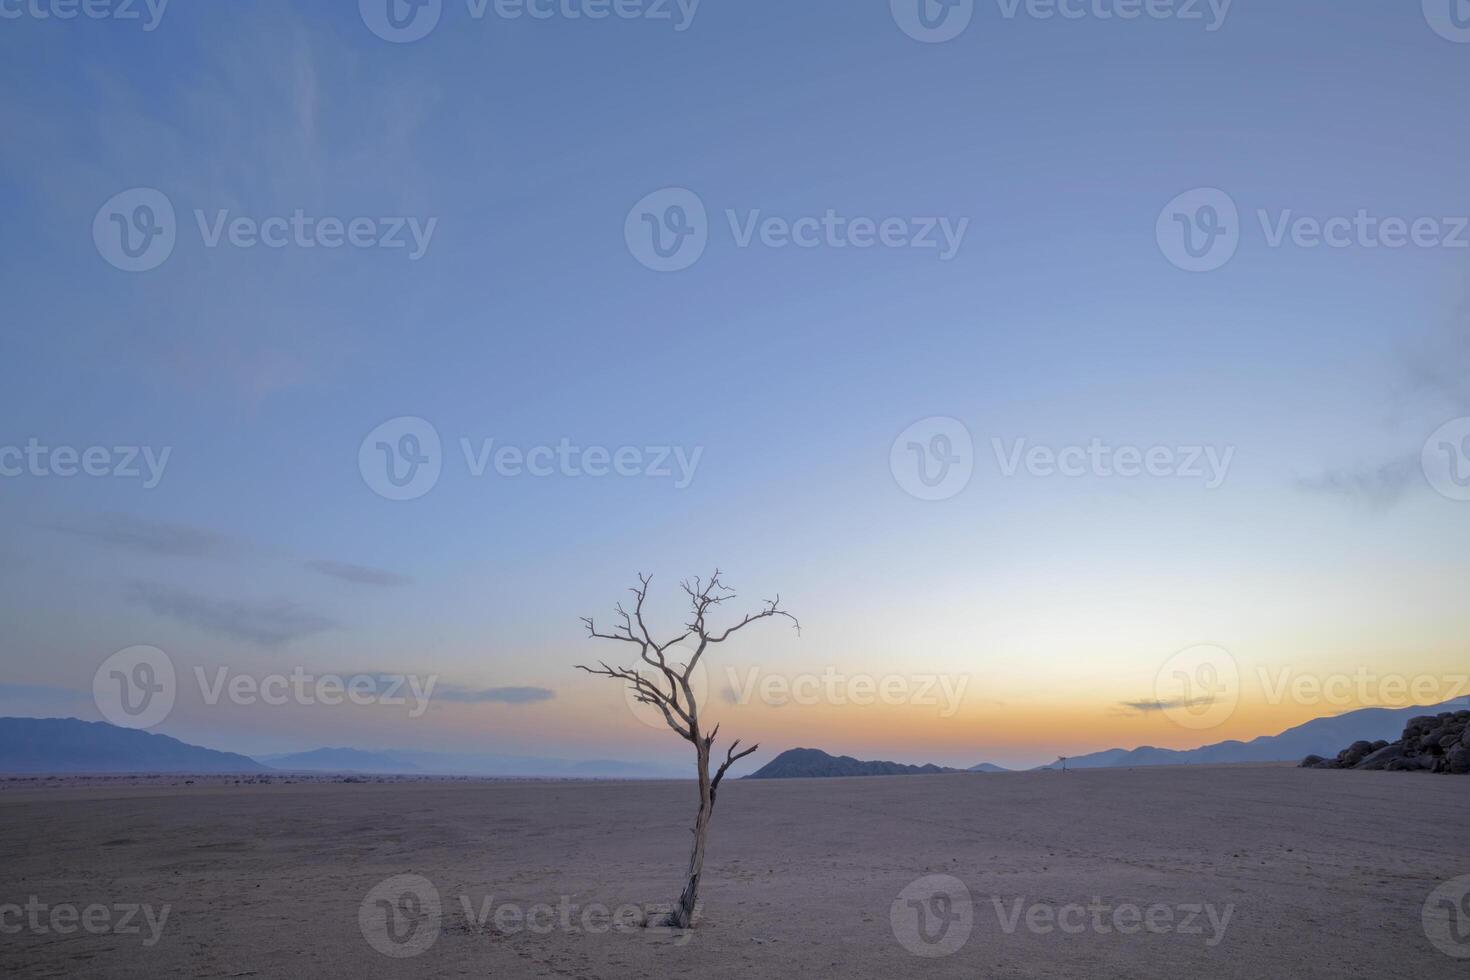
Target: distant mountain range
[
  {"x": 412, "y": 762},
  {"x": 340, "y": 760},
  {"x": 67, "y": 745},
  {"x": 1320, "y": 736}
]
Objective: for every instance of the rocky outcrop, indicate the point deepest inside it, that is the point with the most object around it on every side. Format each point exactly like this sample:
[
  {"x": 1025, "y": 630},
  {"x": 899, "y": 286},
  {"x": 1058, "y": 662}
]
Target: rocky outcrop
[{"x": 1430, "y": 743}]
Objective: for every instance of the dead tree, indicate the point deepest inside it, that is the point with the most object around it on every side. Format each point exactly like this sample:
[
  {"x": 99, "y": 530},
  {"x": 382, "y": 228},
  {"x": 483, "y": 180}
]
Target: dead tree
[{"x": 655, "y": 680}]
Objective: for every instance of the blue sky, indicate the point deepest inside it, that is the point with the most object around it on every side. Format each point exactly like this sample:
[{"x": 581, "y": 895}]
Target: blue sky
[{"x": 528, "y": 320}]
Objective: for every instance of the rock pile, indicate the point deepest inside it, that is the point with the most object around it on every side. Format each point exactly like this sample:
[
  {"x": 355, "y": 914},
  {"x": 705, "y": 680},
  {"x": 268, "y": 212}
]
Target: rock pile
[{"x": 1431, "y": 743}]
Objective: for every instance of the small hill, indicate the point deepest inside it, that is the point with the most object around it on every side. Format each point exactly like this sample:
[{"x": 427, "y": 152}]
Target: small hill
[
  {"x": 814, "y": 763},
  {"x": 987, "y": 767},
  {"x": 69, "y": 745}
]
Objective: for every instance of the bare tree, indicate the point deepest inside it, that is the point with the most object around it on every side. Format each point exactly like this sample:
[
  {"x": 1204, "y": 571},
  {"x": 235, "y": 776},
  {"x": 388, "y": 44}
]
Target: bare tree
[{"x": 655, "y": 680}]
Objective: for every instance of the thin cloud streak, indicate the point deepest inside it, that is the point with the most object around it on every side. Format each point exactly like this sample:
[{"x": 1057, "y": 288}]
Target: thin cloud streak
[{"x": 270, "y": 623}]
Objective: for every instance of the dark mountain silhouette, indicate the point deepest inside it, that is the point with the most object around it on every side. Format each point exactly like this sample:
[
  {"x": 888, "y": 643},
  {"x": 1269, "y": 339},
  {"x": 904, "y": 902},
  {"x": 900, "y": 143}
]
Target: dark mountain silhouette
[
  {"x": 69, "y": 745},
  {"x": 814, "y": 763},
  {"x": 987, "y": 767}
]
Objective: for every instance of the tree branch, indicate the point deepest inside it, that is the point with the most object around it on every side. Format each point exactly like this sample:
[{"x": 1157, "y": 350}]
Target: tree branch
[{"x": 731, "y": 757}]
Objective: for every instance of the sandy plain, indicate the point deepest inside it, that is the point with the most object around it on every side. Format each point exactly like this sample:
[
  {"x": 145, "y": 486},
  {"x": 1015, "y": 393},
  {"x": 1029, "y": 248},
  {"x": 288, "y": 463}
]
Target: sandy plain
[{"x": 1208, "y": 872}]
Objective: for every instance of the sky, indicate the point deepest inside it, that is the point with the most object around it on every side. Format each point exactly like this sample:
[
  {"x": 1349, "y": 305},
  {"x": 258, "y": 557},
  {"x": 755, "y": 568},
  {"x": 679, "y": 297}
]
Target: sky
[{"x": 406, "y": 336}]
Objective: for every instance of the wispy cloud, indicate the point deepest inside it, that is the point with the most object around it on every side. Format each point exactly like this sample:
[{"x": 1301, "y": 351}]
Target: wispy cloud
[
  {"x": 269, "y": 624},
  {"x": 1150, "y": 706},
  {"x": 357, "y": 574},
  {"x": 493, "y": 695},
  {"x": 1379, "y": 485},
  {"x": 149, "y": 537},
  {"x": 1434, "y": 384}
]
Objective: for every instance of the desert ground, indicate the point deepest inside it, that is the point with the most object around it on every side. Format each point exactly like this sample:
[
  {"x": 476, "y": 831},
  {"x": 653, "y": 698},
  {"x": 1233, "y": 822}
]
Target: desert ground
[{"x": 1248, "y": 872}]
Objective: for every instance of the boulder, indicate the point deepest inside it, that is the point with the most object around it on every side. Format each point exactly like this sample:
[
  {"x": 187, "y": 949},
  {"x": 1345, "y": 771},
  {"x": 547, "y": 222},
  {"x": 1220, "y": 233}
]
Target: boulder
[
  {"x": 1354, "y": 754},
  {"x": 1380, "y": 758},
  {"x": 1458, "y": 760}
]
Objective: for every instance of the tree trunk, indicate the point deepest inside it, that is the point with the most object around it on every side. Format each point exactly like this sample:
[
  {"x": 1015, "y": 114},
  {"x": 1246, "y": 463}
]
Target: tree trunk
[{"x": 683, "y": 914}]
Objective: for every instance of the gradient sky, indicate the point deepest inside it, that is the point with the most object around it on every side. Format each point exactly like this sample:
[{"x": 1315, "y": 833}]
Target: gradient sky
[{"x": 527, "y": 320}]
